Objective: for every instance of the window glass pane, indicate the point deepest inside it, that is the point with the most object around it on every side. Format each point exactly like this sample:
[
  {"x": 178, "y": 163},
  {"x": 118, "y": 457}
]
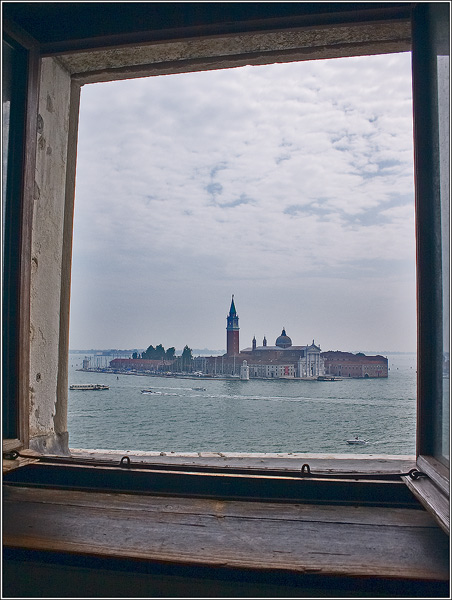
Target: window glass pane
[
  {"x": 7, "y": 60},
  {"x": 9, "y": 414},
  {"x": 13, "y": 99},
  {"x": 444, "y": 164}
]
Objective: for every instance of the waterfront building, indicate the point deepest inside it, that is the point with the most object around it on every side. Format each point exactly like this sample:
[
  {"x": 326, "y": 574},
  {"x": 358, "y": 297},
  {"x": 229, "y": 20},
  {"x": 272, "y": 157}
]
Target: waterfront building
[
  {"x": 282, "y": 360},
  {"x": 269, "y": 371},
  {"x": 141, "y": 364},
  {"x": 285, "y": 360},
  {"x": 347, "y": 364}
]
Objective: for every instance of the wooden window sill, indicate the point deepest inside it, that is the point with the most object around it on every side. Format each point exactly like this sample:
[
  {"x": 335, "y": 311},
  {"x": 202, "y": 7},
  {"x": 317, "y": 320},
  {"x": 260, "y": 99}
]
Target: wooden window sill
[
  {"x": 350, "y": 462},
  {"x": 325, "y": 540}
]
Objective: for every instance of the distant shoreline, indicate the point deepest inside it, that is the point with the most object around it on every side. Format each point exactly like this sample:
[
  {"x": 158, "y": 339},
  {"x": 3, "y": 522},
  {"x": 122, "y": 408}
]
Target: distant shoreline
[
  {"x": 221, "y": 378},
  {"x": 172, "y": 376},
  {"x": 221, "y": 352}
]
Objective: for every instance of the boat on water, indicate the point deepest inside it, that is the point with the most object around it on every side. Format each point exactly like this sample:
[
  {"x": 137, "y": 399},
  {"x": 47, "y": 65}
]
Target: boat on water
[
  {"x": 88, "y": 386},
  {"x": 357, "y": 441},
  {"x": 149, "y": 392},
  {"x": 199, "y": 389}
]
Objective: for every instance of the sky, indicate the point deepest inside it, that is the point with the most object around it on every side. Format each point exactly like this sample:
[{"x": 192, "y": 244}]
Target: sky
[{"x": 290, "y": 186}]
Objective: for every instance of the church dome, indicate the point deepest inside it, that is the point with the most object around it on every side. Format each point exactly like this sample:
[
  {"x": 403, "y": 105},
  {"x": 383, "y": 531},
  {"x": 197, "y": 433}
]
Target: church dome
[{"x": 283, "y": 341}]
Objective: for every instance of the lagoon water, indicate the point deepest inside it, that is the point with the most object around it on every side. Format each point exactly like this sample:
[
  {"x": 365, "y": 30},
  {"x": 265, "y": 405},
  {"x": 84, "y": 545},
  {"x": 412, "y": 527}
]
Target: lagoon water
[{"x": 245, "y": 416}]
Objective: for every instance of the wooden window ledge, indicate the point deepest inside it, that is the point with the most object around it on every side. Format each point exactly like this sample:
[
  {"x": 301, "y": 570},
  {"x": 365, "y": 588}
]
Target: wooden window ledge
[{"x": 362, "y": 542}]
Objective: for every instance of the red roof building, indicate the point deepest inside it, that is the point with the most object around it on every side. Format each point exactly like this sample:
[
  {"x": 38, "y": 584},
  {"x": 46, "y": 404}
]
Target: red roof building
[{"x": 347, "y": 364}]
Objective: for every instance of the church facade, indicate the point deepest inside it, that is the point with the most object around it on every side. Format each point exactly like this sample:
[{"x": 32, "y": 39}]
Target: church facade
[{"x": 283, "y": 360}]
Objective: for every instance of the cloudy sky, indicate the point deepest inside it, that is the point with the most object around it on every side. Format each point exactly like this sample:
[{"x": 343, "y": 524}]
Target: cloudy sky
[{"x": 289, "y": 186}]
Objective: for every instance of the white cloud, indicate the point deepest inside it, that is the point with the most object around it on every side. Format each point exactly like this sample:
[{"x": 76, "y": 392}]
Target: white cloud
[{"x": 215, "y": 181}]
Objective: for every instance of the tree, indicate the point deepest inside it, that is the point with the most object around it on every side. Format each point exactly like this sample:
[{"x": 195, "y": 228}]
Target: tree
[
  {"x": 170, "y": 353},
  {"x": 149, "y": 353},
  {"x": 187, "y": 357},
  {"x": 159, "y": 353},
  {"x": 135, "y": 355}
]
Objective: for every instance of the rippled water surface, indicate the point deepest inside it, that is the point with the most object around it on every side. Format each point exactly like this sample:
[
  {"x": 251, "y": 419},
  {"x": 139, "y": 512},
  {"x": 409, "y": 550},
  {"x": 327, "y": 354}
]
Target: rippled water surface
[{"x": 245, "y": 416}]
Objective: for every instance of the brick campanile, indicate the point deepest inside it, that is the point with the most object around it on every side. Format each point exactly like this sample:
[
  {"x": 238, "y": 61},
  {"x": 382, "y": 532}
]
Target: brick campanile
[{"x": 232, "y": 329}]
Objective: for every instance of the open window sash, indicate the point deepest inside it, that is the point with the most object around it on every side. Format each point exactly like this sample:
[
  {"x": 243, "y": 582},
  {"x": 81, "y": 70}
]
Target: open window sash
[{"x": 430, "y": 59}]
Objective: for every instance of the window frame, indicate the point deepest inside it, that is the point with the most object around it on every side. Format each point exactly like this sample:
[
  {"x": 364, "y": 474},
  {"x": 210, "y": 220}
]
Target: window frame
[
  {"x": 19, "y": 192},
  {"x": 435, "y": 491},
  {"x": 121, "y": 58}
]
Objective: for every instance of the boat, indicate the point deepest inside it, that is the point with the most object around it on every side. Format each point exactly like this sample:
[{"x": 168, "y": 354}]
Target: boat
[
  {"x": 89, "y": 386},
  {"x": 357, "y": 441},
  {"x": 149, "y": 392},
  {"x": 199, "y": 389}
]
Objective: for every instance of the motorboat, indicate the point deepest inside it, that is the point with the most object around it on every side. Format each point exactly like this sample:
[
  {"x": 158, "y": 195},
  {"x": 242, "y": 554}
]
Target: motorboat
[
  {"x": 357, "y": 441},
  {"x": 199, "y": 389},
  {"x": 149, "y": 392},
  {"x": 89, "y": 386}
]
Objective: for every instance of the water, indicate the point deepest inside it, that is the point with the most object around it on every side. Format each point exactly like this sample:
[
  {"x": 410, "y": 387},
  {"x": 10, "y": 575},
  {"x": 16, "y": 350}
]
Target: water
[{"x": 246, "y": 416}]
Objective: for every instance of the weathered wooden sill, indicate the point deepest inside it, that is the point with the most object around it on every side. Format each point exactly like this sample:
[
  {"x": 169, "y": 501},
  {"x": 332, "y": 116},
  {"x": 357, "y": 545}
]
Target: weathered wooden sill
[
  {"x": 301, "y": 543},
  {"x": 349, "y": 462}
]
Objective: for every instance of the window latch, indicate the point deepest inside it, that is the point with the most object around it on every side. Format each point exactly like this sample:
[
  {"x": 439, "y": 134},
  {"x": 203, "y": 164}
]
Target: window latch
[
  {"x": 305, "y": 469},
  {"x": 415, "y": 474},
  {"x": 125, "y": 462},
  {"x": 11, "y": 455}
]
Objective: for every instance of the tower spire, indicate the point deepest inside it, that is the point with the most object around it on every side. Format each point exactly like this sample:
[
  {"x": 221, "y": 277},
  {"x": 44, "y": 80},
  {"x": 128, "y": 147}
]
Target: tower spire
[
  {"x": 232, "y": 311},
  {"x": 232, "y": 331}
]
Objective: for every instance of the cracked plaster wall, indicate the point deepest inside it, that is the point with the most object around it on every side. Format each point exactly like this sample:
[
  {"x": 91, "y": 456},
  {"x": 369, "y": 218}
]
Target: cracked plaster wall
[{"x": 48, "y": 410}]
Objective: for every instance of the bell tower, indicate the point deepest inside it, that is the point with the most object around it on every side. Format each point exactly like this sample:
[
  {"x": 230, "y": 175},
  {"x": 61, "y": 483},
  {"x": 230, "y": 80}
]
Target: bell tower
[{"x": 232, "y": 331}]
